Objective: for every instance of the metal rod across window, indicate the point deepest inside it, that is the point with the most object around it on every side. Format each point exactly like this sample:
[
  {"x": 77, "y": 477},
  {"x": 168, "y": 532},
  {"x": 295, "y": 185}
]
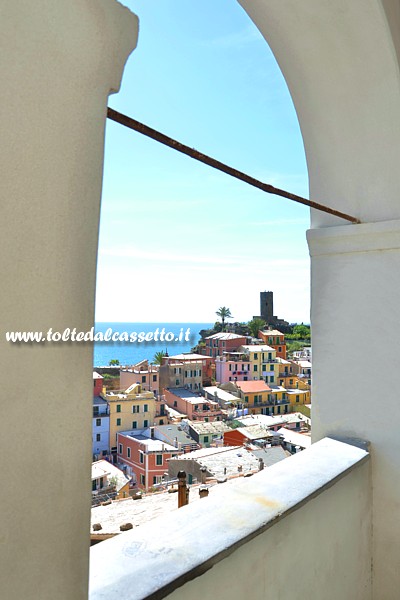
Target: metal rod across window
[{"x": 216, "y": 164}]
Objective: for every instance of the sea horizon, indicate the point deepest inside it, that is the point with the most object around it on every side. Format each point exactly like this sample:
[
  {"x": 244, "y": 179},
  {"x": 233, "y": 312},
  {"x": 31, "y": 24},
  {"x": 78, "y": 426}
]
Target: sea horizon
[{"x": 130, "y": 353}]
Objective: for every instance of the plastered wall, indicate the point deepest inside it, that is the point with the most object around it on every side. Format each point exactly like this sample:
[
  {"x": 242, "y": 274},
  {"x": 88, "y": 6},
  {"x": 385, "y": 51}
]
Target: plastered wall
[{"x": 59, "y": 62}]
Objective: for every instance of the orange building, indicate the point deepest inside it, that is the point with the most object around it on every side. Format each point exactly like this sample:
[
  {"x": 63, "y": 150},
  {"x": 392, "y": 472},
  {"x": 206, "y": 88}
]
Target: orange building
[
  {"x": 275, "y": 339},
  {"x": 245, "y": 435}
]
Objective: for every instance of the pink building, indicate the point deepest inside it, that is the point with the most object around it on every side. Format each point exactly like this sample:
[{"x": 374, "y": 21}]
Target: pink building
[
  {"x": 145, "y": 458},
  {"x": 223, "y": 342},
  {"x": 232, "y": 366},
  {"x": 195, "y": 406},
  {"x": 146, "y": 374}
]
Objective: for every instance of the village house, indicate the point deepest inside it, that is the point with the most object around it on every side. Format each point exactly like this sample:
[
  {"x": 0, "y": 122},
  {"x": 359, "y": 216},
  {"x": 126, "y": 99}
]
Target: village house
[
  {"x": 134, "y": 408},
  {"x": 219, "y": 464},
  {"x": 193, "y": 405},
  {"x": 249, "y": 434},
  {"x": 144, "y": 373},
  {"x": 206, "y": 434},
  {"x": 218, "y": 343},
  {"x": 276, "y": 339},
  {"x": 144, "y": 456},
  {"x": 183, "y": 370},
  {"x": 263, "y": 361},
  {"x": 177, "y": 435},
  {"x": 100, "y": 420},
  {"x": 109, "y": 479},
  {"x": 233, "y": 366}
]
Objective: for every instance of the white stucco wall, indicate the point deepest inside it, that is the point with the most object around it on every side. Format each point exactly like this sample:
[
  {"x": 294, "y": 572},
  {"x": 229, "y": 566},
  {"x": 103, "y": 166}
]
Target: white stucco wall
[
  {"x": 320, "y": 551},
  {"x": 355, "y": 299},
  {"x": 341, "y": 67},
  {"x": 341, "y": 62},
  {"x": 59, "y": 62}
]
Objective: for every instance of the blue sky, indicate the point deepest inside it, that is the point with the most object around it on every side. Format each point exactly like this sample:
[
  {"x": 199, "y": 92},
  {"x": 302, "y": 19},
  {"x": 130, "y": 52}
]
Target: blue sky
[{"x": 177, "y": 238}]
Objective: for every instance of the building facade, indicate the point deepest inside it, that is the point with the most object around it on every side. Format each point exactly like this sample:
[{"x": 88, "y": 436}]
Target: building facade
[
  {"x": 133, "y": 409},
  {"x": 144, "y": 373},
  {"x": 144, "y": 456},
  {"x": 194, "y": 406}
]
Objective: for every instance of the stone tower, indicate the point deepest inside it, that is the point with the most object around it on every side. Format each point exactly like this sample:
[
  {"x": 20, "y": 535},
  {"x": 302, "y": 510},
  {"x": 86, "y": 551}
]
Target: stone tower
[{"x": 267, "y": 306}]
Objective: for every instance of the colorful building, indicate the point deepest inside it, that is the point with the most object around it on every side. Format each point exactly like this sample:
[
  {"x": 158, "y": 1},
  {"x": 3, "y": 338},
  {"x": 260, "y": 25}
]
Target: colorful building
[
  {"x": 233, "y": 366},
  {"x": 100, "y": 428},
  {"x": 133, "y": 409},
  {"x": 305, "y": 369},
  {"x": 263, "y": 361},
  {"x": 107, "y": 478},
  {"x": 100, "y": 420},
  {"x": 183, "y": 370},
  {"x": 144, "y": 457},
  {"x": 297, "y": 397},
  {"x": 97, "y": 384},
  {"x": 246, "y": 435},
  {"x": 176, "y": 435},
  {"x": 194, "y": 406},
  {"x": 276, "y": 339},
  {"x": 206, "y": 434},
  {"x": 218, "y": 343},
  {"x": 144, "y": 373},
  {"x": 256, "y": 397}
]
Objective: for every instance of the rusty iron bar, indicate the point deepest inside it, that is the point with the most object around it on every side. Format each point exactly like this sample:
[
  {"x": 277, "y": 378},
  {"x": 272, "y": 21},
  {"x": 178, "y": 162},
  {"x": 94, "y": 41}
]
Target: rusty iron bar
[{"x": 216, "y": 164}]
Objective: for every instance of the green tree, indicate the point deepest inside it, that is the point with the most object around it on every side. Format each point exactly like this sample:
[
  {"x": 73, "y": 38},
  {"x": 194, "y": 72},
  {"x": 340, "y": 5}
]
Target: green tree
[
  {"x": 223, "y": 313},
  {"x": 158, "y": 357},
  {"x": 114, "y": 362},
  {"x": 293, "y": 347},
  {"x": 255, "y": 325},
  {"x": 302, "y": 332}
]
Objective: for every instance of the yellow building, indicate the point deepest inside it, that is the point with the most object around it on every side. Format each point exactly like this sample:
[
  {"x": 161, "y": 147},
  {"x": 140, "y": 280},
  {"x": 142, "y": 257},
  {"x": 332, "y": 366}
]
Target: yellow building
[
  {"x": 289, "y": 376},
  {"x": 297, "y": 397},
  {"x": 260, "y": 398},
  {"x": 133, "y": 409},
  {"x": 263, "y": 361}
]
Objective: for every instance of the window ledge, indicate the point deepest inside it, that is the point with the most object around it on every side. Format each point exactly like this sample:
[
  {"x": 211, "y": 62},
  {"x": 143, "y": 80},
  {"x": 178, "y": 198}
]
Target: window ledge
[{"x": 160, "y": 556}]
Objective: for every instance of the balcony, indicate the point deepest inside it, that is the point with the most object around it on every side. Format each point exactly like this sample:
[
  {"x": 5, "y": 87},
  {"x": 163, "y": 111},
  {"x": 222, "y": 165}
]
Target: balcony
[
  {"x": 269, "y": 403},
  {"x": 312, "y": 509},
  {"x": 98, "y": 415}
]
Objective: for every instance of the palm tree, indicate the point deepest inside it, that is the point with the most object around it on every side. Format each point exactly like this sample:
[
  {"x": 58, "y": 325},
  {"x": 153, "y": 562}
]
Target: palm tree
[
  {"x": 255, "y": 325},
  {"x": 224, "y": 313},
  {"x": 158, "y": 357}
]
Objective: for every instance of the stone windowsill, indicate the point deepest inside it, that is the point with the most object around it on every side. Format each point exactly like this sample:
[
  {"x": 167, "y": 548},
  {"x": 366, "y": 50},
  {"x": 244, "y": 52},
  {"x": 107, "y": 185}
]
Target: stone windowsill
[{"x": 158, "y": 557}]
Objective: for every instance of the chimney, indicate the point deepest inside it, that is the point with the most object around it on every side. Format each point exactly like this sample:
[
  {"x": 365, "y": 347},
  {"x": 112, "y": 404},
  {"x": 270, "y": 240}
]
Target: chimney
[
  {"x": 203, "y": 475},
  {"x": 152, "y": 433},
  {"x": 183, "y": 490},
  {"x": 203, "y": 491}
]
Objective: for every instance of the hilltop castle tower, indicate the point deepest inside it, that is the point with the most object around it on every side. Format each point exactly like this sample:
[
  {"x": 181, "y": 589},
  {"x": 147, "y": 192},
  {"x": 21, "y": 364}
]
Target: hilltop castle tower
[
  {"x": 267, "y": 313},
  {"x": 267, "y": 306}
]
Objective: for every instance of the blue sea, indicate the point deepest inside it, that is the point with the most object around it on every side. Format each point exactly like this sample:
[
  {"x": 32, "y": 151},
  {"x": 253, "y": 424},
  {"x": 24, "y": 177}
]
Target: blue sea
[{"x": 129, "y": 353}]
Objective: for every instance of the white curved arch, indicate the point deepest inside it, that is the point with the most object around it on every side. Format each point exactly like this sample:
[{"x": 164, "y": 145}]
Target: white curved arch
[{"x": 340, "y": 63}]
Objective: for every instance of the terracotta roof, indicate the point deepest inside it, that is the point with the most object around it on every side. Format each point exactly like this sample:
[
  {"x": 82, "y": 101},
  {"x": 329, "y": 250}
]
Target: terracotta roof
[{"x": 253, "y": 386}]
